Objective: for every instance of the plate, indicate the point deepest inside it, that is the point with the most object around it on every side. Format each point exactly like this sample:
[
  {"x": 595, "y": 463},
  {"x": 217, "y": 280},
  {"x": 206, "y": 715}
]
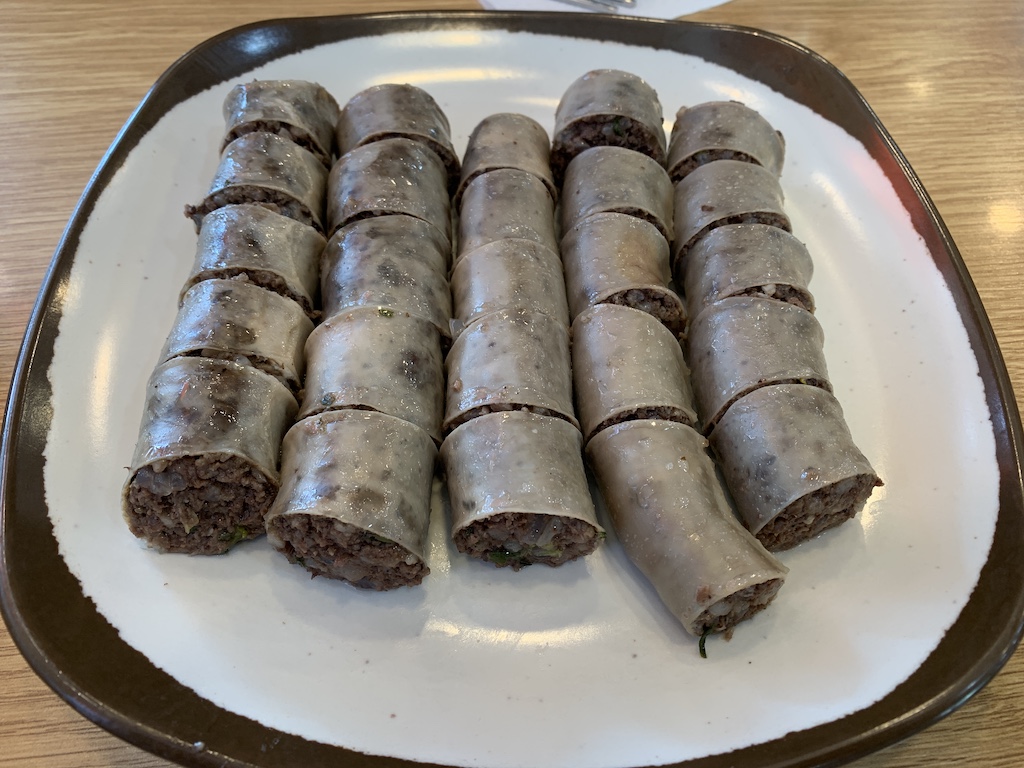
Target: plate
[{"x": 884, "y": 626}]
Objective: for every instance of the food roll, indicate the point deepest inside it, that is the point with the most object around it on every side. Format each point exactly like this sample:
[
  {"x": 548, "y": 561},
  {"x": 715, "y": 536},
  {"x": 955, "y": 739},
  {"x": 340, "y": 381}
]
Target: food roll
[
  {"x": 398, "y": 110},
  {"x": 376, "y": 359},
  {"x": 397, "y": 262},
  {"x": 509, "y": 274},
  {"x": 205, "y": 467},
  {"x": 744, "y": 342},
  {"x": 267, "y": 249},
  {"x": 725, "y": 192},
  {"x": 614, "y": 258},
  {"x": 513, "y": 359},
  {"x": 668, "y": 509},
  {"x": 790, "y": 463},
  {"x": 747, "y": 260},
  {"x": 607, "y": 107},
  {"x": 613, "y": 179},
  {"x": 506, "y": 203},
  {"x": 296, "y": 109},
  {"x": 236, "y": 320},
  {"x": 386, "y": 177},
  {"x": 722, "y": 130},
  {"x": 507, "y": 140},
  {"x": 518, "y": 490},
  {"x": 626, "y": 365},
  {"x": 355, "y": 498},
  {"x": 268, "y": 170}
]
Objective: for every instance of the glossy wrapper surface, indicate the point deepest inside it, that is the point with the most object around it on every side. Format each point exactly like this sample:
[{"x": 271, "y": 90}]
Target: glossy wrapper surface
[
  {"x": 507, "y": 140},
  {"x": 503, "y": 204}
]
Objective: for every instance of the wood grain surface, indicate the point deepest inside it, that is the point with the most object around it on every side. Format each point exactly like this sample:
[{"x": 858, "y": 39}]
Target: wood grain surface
[{"x": 944, "y": 78}]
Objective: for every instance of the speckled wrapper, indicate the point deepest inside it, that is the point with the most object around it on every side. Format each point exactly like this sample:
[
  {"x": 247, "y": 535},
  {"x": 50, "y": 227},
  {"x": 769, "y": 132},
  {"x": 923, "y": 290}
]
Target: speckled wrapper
[
  {"x": 504, "y": 204},
  {"x": 722, "y": 130},
  {"x": 507, "y": 140}
]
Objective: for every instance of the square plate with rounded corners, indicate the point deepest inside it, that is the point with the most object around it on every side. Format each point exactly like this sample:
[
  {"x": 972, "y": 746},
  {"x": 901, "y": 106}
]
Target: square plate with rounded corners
[{"x": 592, "y": 654}]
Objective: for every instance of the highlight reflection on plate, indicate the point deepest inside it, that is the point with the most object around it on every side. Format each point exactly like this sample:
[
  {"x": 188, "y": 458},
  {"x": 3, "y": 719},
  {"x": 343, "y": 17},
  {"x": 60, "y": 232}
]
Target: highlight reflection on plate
[{"x": 870, "y": 639}]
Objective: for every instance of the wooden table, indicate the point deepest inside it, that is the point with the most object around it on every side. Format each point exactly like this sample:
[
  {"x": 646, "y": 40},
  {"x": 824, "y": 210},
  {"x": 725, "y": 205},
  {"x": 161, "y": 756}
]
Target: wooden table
[{"x": 943, "y": 76}]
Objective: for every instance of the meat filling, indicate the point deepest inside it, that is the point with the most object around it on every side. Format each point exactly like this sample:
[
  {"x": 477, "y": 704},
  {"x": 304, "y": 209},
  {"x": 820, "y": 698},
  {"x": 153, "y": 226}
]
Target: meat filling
[
  {"x": 663, "y": 412},
  {"x": 301, "y": 137},
  {"x": 271, "y": 199},
  {"x": 480, "y": 410},
  {"x": 200, "y": 505},
  {"x": 754, "y": 217},
  {"x": 602, "y": 131},
  {"x": 265, "y": 279},
  {"x": 328, "y": 547},
  {"x": 518, "y": 539},
  {"x": 787, "y": 293},
  {"x": 724, "y": 615},
  {"x": 665, "y": 306},
  {"x": 681, "y": 170}
]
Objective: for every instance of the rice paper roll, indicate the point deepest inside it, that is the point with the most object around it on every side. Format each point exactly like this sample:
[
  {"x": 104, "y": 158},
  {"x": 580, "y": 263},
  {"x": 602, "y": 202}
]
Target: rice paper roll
[
  {"x": 747, "y": 260},
  {"x": 518, "y": 490},
  {"x": 725, "y": 192},
  {"x": 355, "y": 499},
  {"x": 398, "y": 110},
  {"x": 626, "y": 365},
  {"x": 268, "y": 170},
  {"x": 507, "y": 140},
  {"x": 380, "y": 360},
  {"x": 791, "y": 464},
  {"x": 296, "y": 109},
  {"x": 607, "y": 107},
  {"x": 513, "y": 359},
  {"x": 722, "y": 130},
  {"x": 267, "y": 249},
  {"x": 617, "y": 180},
  {"x": 508, "y": 275},
  {"x": 614, "y": 258},
  {"x": 396, "y": 262},
  {"x": 205, "y": 467},
  {"x": 387, "y": 177},
  {"x": 236, "y": 320},
  {"x": 669, "y": 510},
  {"x": 744, "y": 342},
  {"x": 504, "y": 204}
]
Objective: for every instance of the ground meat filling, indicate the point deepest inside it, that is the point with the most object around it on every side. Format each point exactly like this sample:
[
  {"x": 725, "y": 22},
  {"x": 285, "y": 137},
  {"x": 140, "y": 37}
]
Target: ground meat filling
[
  {"x": 756, "y": 217},
  {"x": 271, "y": 199},
  {"x": 292, "y": 132},
  {"x": 602, "y": 131},
  {"x": 328, "y": 547},
  {"x": 265, "y": 279},
  {"x": 788, "y": 293},
  {"x": 820, "y": 383},
  {"x": 681, "y": 170},
  {"x": 664, "y": 305},
  {"x": 724, "y": 615},
  {"x": 268, "y": 366},
  {"x": 662, "y": 412},
  {"x": 816, "y": 512},
  {"x": 518, "y": 539},
  {"x": 201, "y": 505},
  {"x": 480, "y": 410}
]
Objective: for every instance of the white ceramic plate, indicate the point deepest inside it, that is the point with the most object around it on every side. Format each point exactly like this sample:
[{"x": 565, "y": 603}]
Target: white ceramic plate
[{"x": 244, "y": 659}]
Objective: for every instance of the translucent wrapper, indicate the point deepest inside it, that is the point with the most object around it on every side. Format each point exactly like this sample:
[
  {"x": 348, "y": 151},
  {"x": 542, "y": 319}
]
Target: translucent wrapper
[
  {"x": 236, "y": 320},
  {"x": 396, "y": 262},
  {"x": 518, "y": 490},
  {"x": 507, "y": 140},
  {"x": 725, "y": 192},
  {"x": 355, "y": 498},
  {"x": 269, "y": 250},
  {"x": 722, "y": 130},
  {"x": 505, "y": 204},
  {"x": 790, "y": 463},
  {"x": 747, "y": 259},
  {"x": 509, "y": 274},
  {"x": 613, "y": 179},
  {"x": 619, "y": 259},
  {"x": 398, "y": 110},
  {"x": 389, "y": 176},
  {"x": 510, "y": 360},
  {"x": 205, "y": 467},
  {"x": 268, "y": 170},
  {"x": 668, "y": 509},
  {"x": 378, "y": 360},
  {"x": 296, "y": 109},
  {"x": 607, "y": 107},
  {"x": 741, "y": 343},
  {"x": 626, "y": 365}
]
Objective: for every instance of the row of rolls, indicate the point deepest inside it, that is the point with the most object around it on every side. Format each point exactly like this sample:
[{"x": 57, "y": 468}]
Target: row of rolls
[{"x": 363, "y": 303}]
